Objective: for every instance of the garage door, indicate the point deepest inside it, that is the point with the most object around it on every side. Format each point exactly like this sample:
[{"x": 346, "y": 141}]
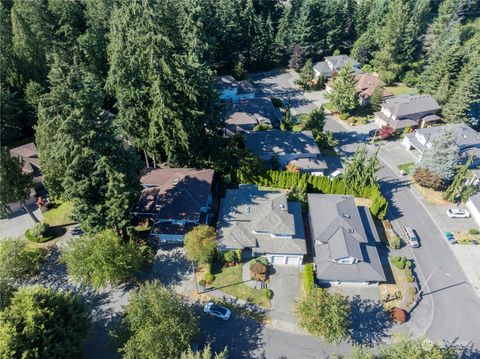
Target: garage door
[
  {"x": 278, "y": 259},
  {"x": 293, "y": 261}
]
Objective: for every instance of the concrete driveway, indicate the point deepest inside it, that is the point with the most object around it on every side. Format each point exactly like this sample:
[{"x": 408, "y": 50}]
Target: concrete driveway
[
  {"x": 17, "y": 223},
  {"x": 281, "y": 83},
  {"x": 285, "y": 284}
]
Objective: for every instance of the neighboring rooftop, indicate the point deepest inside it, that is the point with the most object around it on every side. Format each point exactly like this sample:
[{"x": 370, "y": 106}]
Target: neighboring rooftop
[
  {"x": 263, "y": 220},
  {"x": 466, "y": 137},
  {"x": 340, "y": 230},
  {"x": 366, "y": 84},
  {"x": 310, "y": 164},
  {"x": 406, "y": 105},
  {"x": 251, "y": 112},
  {"x": 228, "y": 82},
  {"x": 339, "y": 61},
  {"x": 175, "y": 193},
  {"x": 28, "y": 153},
  {"x": 276, "y": 142}
]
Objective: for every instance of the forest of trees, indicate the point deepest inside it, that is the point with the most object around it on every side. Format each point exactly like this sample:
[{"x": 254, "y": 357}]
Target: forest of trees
[{"x": 78, "y": 76}]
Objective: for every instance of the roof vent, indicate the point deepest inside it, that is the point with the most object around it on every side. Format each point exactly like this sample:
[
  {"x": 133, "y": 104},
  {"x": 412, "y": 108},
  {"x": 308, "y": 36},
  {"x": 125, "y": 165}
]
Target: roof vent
[
  {"x": 351, "y": 230},
  {"x": 465, "y": 136},
  {"x": 282, "y": 206},
  {"x": 346, "y": 215}
]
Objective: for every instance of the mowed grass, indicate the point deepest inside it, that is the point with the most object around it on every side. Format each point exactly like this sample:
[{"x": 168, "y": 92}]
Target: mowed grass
[
  {"x": 230, "y": 281},
  {"x": 401, "y": 89},
  {"x": 407, "y": 167},
  {"x": 60, "y": 215}
]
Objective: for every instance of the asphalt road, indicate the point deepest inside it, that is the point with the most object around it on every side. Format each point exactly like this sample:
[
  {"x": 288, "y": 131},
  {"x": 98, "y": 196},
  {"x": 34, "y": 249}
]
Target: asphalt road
[{"x": 448, "y": 293}]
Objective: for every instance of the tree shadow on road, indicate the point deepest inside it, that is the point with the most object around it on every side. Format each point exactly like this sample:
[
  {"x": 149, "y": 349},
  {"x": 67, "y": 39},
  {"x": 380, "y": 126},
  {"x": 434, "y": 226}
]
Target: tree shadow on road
[
  {"x": 388, "y": 188},
  {"x": 171, "y": 267},
  {"x": 242, "y": 336},
  {"x": 370, "y": 321},
  {"x": 463, "y": 351}
]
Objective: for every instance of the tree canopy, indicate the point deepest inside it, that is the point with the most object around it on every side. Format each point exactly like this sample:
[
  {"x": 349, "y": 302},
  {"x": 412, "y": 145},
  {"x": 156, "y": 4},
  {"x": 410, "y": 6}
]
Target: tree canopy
[
  {"x": 200, "y": 244},
  {"x": 158, "y": 324},
  {"x": 101, "y": 259},
  {"x": 43, "y": 323},
  {"x": 343, "y": 96}
]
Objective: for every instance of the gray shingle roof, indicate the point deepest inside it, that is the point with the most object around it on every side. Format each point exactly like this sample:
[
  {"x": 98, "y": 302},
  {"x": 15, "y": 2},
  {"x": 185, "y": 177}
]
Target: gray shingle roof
[
  {"x": 466, "y": 137},
  {"x": 225, "y": 82},
  {"x": 339, "y": 61},
  {"x": 310, "y": 164},
  {"x": 251, "y": 112},
  {"x": 276, "y": 142},
  {"x": 246, "y": 210},
  {"x": 406, "y": 105},
  {"x": 341, "y": 229}
]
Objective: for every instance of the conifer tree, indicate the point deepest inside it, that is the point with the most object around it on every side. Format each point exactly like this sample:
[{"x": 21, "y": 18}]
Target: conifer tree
[{"x": 343, "y": 96}]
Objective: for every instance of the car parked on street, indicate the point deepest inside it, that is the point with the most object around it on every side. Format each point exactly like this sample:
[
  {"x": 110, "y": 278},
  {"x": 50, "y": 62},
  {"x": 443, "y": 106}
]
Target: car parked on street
[
  {"x": 410, "y": 237},
  {"x": 217, "y": 311},
  {"x": 450, "y": 237},
  {"x": 458, "y": 213}
]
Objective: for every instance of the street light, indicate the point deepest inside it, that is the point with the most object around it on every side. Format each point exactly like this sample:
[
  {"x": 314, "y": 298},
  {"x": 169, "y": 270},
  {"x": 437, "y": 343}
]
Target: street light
[{"x": 194, "y": 279}]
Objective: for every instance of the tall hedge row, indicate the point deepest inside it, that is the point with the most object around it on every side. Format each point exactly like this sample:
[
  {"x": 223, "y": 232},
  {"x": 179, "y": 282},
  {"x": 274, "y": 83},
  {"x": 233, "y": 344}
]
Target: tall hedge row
[{"x": 322, "y": 184}]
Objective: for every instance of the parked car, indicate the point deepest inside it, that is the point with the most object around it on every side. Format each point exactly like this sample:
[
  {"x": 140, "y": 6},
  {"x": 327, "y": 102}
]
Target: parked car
[
  {"x": 217, "y": 311},
  {"x": 410, "y": 237},
  {"x": 450, "y": 237},
  {"x": 335, "y": 174},
  {"x": 458, "y": 213}
]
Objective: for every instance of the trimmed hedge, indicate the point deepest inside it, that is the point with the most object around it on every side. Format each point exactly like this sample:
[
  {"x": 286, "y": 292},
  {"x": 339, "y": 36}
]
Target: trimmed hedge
[
  {"x": 308, "y": 277},
  {"x": 267, "y": 293},
  {"x": 322, "y": 184},
  {"x": 399, "y": 262},
  {"x": 31, "y": 237}
]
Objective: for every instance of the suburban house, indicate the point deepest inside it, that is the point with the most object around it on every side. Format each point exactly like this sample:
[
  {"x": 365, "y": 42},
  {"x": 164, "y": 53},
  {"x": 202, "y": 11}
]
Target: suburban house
[
  {"x": 344, "y": 241},
  {"x": 473, "y": 205},
  {"x": 262, "y": 223},
  {"x": 231, "y": 90},
  {"x": 366, "y": 84},
  {"x": 286, "y": 146},
  {"x": 332, "y": 64},
  {"x": 244, "y": 116},
  {"x": 28, "y": 154},
  {"x": 175, "y": 199},
  {"x": 466, "y": 138},
  {"x": 410, "y": 111}
]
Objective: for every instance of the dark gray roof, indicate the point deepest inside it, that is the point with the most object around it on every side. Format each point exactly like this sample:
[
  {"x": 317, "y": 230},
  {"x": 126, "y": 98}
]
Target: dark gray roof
[
  {"x": 341, "y": 229},
  {"x": 225, "y": 82},
  {"x": 466, "y": 137},
  {"x": 339, "y": 61},
  {"x": 245, "y": 87},
  {"x": 251, "y": 112},
  {"x": 276, "y": 142},
  {"x": 248, "y": 217},
  {"x": 323, "y": 68},
  {"x": 406, "y": 105},
  {"x": 310, "y": 164}
]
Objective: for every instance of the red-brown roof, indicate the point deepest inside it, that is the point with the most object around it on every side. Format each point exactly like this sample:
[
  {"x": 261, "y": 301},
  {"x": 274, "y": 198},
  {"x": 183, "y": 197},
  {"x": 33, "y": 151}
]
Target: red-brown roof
[
  {"x": 367, "y": 84},
  {"x": 29, "y": 154}
]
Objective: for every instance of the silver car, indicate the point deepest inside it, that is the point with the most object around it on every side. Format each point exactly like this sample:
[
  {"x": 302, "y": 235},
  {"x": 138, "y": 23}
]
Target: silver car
[
  {"x": 217, "y": 311},
  {"x": 410, "y": 237}
]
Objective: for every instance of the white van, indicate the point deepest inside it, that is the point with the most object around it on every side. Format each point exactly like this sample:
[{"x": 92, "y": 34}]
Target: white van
[{"x": 410, "y": 237}]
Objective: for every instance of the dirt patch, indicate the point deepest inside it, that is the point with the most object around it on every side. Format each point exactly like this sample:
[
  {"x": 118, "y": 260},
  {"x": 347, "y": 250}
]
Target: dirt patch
[
  {"x": 431, "y": 196},
  {"x": 364, "y": 202}
]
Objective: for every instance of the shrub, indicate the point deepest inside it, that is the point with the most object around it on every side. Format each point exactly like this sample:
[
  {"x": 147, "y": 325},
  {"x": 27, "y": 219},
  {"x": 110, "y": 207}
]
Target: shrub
[
  {"x": 239, "y": 255},
  {"x": 262, "y": 127},
  {"x": 277, "y": 102},
  {"x": 209, "y": 277},
  {"x": 229, "y": 256},
  {"x": 473, "y": 231},
  {"x": 408, "y": 264},
  {"x": 39, "y": 229},
  {"x": 412, "y": 290},
  {"x": 308, "y": 277},
  {"x": 399, "y": 315},
  {"x": 399, "y": 262},
  {"x": 344, "y": 116},
  {"x": 267, "y": 293},
  {"x": 202, "y": 282},
  {"x": 262, "y": 260},
  {"x": 386, "y": 131},
  {"x": 395, "y": 242},
  {"x": 409, "y": 276},
  {"x": 426, "y": 178}
]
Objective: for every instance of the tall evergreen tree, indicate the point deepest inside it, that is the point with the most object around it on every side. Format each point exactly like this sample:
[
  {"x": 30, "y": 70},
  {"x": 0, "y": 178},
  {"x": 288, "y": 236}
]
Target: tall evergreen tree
[
  {"x": 81, "y": 159},
  {"x": 343, "y": 96},
  {"x": 262, "y": 52},
  {"x": 169, "y": 109}
]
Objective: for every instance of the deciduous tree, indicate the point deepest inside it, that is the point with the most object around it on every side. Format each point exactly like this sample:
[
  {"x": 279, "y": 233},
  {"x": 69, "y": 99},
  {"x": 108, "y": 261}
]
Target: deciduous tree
[
  {"x": 101, "y": 259},
  {"x": 158, "y": 323},
  {"x": 200, "y": 244}
]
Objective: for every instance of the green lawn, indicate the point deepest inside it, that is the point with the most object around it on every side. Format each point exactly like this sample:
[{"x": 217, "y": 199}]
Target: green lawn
[
  {"x": 401, "y": 89},
  {"x": 229, "y": 280},
  {"x": 60, "y": 215},
  {"x": 407, "y": 167}
]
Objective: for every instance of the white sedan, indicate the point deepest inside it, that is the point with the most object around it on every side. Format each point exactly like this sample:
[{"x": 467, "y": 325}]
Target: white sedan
[
  {"x": 458, "y": 213},
  {"x": 217, "y": 311}
]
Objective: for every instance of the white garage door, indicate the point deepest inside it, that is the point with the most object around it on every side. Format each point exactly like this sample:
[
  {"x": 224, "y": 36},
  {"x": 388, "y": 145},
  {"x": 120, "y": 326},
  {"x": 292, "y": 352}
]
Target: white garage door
[
  {"x": 278, "y": 259},
  {"x": 293, "y": 261}
]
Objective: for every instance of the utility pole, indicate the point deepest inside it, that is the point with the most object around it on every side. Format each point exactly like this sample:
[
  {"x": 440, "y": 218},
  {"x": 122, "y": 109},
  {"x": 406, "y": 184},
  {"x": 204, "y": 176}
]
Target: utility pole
[{"x": 417, "y": 297}]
